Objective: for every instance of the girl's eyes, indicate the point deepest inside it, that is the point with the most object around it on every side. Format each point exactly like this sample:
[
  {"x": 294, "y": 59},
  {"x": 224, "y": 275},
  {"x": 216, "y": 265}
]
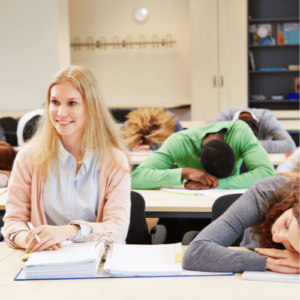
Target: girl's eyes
[
  {"x": 286, "y": 225},
  {"x": 71, "y": 103}
]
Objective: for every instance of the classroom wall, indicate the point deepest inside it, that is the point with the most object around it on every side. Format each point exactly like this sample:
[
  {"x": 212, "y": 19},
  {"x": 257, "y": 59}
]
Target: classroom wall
[
  {"x": 34, "y": 39},
  {"x": 135, "y": 77}
]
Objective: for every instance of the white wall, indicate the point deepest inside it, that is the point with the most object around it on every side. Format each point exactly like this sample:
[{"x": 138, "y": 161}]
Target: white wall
[
  {"x": 135, "y": 77},
  {"x": 32, "y": 50}
]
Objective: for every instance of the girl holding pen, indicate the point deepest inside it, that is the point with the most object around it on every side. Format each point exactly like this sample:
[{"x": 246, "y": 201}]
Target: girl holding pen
[{"x": 71, "y": 180}]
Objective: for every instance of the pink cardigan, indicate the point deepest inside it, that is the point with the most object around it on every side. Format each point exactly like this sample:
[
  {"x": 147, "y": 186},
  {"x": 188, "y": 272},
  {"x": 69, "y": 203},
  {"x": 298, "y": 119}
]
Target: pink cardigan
[{"x": 25, "y": 203}]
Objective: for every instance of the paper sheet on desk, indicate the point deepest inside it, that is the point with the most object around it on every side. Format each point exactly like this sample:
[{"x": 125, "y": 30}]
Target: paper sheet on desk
[
  {"x": 216, "y": 193},
  {"x": 271, "y": 276},
  {"x": 2, "y": 190}
]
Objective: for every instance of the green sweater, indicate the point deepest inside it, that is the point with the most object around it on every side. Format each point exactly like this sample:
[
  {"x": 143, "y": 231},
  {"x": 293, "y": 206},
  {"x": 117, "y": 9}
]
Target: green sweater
[{"x": 184, "y": 149}]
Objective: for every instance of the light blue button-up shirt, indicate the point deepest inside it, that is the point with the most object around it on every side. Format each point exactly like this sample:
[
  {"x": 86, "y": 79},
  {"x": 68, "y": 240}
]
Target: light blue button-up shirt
[{"x": 68, "y": 196}]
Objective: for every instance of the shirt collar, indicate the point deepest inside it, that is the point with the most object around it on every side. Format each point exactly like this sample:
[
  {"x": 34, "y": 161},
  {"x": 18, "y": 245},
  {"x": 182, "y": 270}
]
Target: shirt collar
[
  {"x": 237, "y": 114},
  {"x": 63, "y": 156}
]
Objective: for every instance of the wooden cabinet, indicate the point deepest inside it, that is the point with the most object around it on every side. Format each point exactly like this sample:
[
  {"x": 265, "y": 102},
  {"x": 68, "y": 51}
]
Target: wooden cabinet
[{"x": 218, "y": 56}]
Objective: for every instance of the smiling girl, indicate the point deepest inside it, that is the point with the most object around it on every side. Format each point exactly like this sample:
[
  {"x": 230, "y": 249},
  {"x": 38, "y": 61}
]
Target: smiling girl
[
  {"x": 268, "y": 215},
  {"x": 71, "y": 180}
]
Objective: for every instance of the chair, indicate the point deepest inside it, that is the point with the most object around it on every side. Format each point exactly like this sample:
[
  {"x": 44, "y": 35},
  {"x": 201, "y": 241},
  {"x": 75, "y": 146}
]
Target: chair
[
  {"x": 120, "y": 114},
  {"x": 9, "y": 126},
  {"x": 188, "y": 237},
  {"x": 138, "y": 228},
  {"x": 220, "y": 206}
]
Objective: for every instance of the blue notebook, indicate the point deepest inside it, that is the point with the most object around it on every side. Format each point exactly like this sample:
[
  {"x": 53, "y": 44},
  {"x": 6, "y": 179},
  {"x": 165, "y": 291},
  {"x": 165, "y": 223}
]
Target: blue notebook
[{"x": 103, "y": 275}]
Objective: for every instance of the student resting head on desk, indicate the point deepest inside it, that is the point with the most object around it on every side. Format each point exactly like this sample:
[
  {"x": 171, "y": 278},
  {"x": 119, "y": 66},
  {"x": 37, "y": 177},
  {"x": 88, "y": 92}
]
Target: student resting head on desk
[
  {"x": 272, "y": 136},
  {"x": 209, "y": 156},
  {"x": 147, "y": 128},
  {"x": 71, "y": 180},
  {"x": 268, "y": 215},
  {"x": 7, "y": 157}
]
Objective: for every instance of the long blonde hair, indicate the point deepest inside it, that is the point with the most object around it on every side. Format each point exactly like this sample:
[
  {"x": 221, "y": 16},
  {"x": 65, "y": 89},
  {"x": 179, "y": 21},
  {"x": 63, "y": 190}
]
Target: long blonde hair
[{"x": 100, "y": 131}]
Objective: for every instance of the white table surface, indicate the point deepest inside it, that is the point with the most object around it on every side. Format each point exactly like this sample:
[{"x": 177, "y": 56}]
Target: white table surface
[{"x": 212, "y": 288}]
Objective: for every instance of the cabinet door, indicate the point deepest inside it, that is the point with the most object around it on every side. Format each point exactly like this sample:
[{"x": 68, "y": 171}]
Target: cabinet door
[
  {"x": 204, "y": 59},
  {"x": 232, "y": 37}
]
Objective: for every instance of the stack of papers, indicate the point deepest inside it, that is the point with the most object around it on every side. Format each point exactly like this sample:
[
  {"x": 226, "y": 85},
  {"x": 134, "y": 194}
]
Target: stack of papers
[
  {"x": 73, "y": 260},
  {"x": 140, "y": 260},
  {"x": 271, "y": 276},
  {"x": 149, "y": 260}
]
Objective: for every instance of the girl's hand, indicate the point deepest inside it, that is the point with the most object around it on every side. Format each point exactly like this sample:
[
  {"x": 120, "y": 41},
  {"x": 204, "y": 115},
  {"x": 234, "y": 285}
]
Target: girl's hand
[
  {"x": 54, "y": 247},
  {"x": 282, "y": 261},
  {"x": 50, "y": 236}
]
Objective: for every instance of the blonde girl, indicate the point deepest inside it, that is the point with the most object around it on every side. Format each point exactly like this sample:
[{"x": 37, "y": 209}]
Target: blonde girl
[{"x": 71, "y": 180}]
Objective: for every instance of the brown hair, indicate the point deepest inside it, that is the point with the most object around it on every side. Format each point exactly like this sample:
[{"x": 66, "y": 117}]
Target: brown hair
[
  {"x": 7, "y": 156},
  {"x": 252, "y": 123},
  {"x": 148, "y": 126},
  {"x": 286, "y": 197}
]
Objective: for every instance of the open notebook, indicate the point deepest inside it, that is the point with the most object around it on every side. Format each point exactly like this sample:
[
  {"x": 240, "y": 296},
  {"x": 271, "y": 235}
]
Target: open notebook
[
  {"x": 147, "y": 261},
  {"x": 123, "y": 261},
  {"x": 271, "y": 276},
  {"x": 71, "y": 261}
]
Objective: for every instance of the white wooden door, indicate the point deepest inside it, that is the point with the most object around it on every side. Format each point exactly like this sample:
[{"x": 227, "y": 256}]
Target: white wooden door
[
  {"x": 204, "y": 59},
  {"x": 232, "y": 39}
]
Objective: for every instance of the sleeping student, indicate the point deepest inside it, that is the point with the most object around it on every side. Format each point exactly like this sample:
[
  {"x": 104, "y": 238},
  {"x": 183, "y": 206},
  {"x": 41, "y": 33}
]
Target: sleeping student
[
  {"x": 7, "y": 157},
  {"x": 71, "y": 180},
  {"x": 272, "y": 136},
  {"x": 268, "y": 215}
]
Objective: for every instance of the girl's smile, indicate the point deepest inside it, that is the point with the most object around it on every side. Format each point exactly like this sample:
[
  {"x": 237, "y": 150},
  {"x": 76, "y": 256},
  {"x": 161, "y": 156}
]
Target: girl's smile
[{"x": 67, "y": 111}]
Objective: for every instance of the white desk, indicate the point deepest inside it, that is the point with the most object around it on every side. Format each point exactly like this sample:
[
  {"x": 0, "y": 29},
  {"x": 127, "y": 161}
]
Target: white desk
[
  {"x": 162, "y": 204},
  {"x": 165, "y": 205},
  {"x": 137, "y": 159},
  {"x": 290, "y": 125},
  {"x": 213, "y": 288},
  {"x": 190, "y": 124},
  {"x": 286, "y": 114},
  {"x": 277, "y": 158}
]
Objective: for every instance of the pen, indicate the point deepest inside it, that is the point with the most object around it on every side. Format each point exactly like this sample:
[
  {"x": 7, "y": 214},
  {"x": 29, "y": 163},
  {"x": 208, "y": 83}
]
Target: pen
[{"x": 36, "y": 236}]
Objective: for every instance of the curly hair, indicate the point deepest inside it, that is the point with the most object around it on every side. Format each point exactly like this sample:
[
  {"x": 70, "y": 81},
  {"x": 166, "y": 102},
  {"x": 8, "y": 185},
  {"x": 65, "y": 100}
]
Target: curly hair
[
  {"x": 286, "y": 197},
  {"x": 148, "y": 126}
]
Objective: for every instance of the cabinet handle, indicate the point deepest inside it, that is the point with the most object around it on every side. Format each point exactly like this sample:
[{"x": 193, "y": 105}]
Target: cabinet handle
[
  {"x": 215, "y": 81},
  {"x": 222, "y": 81}
]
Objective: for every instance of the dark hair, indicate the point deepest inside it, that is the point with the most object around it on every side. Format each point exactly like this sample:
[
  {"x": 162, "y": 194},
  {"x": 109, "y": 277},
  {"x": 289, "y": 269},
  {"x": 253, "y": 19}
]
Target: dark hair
[
  {"x": 286, "y": 197},
  {"x": 217, "y": 158},
  {"x": 30, "y": 128},
  {"x": 252, "y": 123},
  {"x": 7, "y": 156}
]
